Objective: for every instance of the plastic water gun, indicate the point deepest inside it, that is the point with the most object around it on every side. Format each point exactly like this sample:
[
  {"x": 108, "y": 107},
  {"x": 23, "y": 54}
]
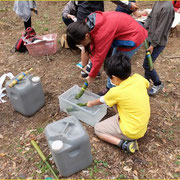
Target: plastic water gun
[
  {"x": 148, "y": 55},
  {"x": 19, "y": 78},
  {"x": 43, "y": 157},
  {"x": 85, "y": 85}
]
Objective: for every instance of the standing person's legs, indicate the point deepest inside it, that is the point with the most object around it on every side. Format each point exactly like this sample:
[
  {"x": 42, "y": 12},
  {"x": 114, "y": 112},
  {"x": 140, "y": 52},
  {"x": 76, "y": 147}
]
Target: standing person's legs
[
  {"x": 153, "y": 75},
  {"x": 27, "y": 24}
]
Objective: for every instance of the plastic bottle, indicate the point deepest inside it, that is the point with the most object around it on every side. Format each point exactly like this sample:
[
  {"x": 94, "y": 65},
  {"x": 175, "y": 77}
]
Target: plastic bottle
[
  {"x": 69, "y": 145},
  {"x": 27, "y": 95}
]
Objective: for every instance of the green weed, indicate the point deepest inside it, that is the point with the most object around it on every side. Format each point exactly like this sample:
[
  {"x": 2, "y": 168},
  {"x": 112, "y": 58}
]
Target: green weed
[
  {"x": 39, "y": 130},
  {"x": 99, "y": 166}
]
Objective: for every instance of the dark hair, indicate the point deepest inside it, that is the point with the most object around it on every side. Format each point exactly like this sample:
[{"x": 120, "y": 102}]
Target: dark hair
[
  {"x": 76, "y": 32},
  {"x": 118, "y": 65}
]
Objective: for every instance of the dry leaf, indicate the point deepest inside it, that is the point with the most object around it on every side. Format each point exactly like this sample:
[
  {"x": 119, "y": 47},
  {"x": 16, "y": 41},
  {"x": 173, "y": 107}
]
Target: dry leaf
[
  {"x": 177, "y": 170},
  {"x": 135, "y": 173},
  {"x": 169, "y": 174},
  {"x": 126, "y": 168},
  {"x": 1, "y": 136},
  {"x": 2, "y": 154},
  {"x": 14, "y": 165}
]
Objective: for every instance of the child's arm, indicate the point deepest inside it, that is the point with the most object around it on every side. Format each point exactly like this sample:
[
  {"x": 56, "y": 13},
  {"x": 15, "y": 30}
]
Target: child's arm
[{"x": 96, "y": 102}]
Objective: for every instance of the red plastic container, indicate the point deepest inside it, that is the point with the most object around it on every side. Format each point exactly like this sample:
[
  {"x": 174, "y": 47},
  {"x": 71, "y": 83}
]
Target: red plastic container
[{"x": 45, "y": 47}]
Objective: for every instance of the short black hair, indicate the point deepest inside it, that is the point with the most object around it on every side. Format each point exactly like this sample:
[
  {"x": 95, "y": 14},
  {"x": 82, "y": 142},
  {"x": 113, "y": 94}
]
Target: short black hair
[
  {"x": 76, "y": 32},
  {"x": 118, "y": 65}
]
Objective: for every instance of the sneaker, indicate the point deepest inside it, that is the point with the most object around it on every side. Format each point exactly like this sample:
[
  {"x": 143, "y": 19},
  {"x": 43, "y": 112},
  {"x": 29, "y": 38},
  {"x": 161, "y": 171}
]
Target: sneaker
[
  {"x": 130, "y": 146},
  {"x": 88, "y": 69},
  {"x": 155, "y": 89},
  {"x": 103, "y": 92}
]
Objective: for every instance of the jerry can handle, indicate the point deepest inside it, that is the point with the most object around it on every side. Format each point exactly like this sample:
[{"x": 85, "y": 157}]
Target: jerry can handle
[{"x": 65, "y": 130}]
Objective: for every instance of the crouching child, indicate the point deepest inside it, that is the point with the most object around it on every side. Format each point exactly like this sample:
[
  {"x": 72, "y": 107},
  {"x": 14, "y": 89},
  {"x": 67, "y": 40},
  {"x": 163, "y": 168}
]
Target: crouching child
[{"x": 131, "y": 100}]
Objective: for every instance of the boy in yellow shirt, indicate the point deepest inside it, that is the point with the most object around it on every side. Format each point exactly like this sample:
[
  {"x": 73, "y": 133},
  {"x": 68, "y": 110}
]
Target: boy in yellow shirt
[{"x": 132, "y": 102}]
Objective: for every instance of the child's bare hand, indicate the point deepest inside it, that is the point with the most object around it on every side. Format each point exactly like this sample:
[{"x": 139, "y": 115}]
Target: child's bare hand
[
  {"x": 90, "y": 104},
  {"x": 151, "y": 48},
  {"x": 134, "y": 7}
]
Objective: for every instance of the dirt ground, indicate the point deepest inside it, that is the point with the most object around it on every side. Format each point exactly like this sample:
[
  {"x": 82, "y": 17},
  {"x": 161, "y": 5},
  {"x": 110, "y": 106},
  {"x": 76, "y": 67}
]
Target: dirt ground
[{"x": 159, "y": 154}]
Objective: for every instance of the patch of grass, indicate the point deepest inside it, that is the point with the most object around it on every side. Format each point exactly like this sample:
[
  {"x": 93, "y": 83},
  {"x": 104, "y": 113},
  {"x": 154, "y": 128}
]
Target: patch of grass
[
  {"x": 40, "y": 130},
  {"x": 176, "y": 175},
  {"x": 121, "y": 176},
  {"x": 46, "y": 29},
  {"x": 178, "y": 156},
  {"x": 177, "y": 162},
  {"x": 98, "y": 167}
]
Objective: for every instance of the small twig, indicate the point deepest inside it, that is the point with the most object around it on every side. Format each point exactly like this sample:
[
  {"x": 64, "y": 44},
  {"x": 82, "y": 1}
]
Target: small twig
[{"x": 171, "y": 57}]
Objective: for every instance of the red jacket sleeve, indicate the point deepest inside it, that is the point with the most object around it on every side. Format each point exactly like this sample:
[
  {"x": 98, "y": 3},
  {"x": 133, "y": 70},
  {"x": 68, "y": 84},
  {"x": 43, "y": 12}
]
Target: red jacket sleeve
[{"x": 101, "y": 45}]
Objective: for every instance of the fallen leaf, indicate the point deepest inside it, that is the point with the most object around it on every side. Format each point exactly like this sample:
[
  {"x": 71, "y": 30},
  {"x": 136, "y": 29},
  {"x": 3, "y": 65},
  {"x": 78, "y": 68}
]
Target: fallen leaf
[
  {"x": 28, "y": 144},
  {"x": 126, "y": 168},
  {"x": 178, "y": 115},
  {"x": 153, "y": 171},
  {"x": 135, "y": 173},
  {"x": 169, "y": 174},
  {"x": 39, "y": 171},
  {"x": 14, "y": 165},
  {"x": 1, "y": 136},
  {"x": 27, "y": 148},
  {"x": 177, "y": 170},
  {"x": 2, "y": 154}
]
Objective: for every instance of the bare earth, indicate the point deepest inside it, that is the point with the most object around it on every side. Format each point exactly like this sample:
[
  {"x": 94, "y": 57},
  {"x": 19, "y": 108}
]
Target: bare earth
[{"x": 159, "y": 154}]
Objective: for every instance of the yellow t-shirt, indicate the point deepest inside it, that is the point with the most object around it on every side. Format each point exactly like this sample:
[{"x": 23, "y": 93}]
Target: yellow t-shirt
[{"x": 133, "y": 105}]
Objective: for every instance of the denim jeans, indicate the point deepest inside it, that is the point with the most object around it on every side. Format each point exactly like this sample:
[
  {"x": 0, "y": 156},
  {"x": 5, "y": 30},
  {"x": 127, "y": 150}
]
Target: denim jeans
[
  {"x": 67, "y": 21},
  {"x": 121, "y": 9},
  {"x": 127, "y": 53},
  {"x": 152, "y": 75}
]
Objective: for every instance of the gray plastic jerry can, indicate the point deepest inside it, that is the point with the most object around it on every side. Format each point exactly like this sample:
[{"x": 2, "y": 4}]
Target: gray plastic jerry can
[
  {"x": 27, "y": 95},
  {"x": 69, "y": 145}
]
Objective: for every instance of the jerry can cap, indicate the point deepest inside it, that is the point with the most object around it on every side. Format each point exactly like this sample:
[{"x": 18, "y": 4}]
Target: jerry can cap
[
  {"x": 57, "y": 145},
  {"x": 36, "y": 79}
]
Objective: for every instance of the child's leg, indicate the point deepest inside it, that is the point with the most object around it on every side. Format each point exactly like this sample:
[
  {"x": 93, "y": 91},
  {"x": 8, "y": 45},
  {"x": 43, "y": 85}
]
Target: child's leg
[
  {"x": 84, "y": 57},
  {"x": 27, "y": 24},
  {"x": 109, "y": 131}
]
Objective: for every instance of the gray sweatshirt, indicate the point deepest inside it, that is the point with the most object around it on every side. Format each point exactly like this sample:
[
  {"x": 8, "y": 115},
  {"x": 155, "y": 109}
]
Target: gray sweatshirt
[
  {"x": 70, "y": 8},
  {"x": 159, "y": 22},
  {"x": 23, "y": 8}
]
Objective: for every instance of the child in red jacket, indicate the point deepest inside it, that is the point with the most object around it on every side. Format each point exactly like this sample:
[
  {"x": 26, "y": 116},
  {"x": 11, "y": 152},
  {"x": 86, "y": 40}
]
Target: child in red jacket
[{"x": 103, "y": 31}]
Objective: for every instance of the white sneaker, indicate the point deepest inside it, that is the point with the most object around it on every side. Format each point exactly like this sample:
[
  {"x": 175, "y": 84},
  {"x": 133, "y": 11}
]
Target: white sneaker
[{"x": 155, "y": 89}]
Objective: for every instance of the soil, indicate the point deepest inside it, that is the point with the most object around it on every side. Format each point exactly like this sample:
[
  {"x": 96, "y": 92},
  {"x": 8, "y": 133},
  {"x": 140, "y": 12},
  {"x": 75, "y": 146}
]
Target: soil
[{"x": 159, "y": 154}]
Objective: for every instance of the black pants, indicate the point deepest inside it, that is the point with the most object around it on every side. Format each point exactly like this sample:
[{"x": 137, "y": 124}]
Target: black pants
[{"x": 27, "y": 24}]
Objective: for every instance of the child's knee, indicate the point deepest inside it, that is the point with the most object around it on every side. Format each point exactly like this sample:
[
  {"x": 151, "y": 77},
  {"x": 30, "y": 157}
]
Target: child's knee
[{"x": 97, "y": 129}]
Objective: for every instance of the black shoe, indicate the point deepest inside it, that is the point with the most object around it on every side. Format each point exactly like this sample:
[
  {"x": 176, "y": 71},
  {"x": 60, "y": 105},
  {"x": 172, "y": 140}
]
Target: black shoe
[
  {"x": 103, "y": 92},
  {"x": 129, "y": 146}
]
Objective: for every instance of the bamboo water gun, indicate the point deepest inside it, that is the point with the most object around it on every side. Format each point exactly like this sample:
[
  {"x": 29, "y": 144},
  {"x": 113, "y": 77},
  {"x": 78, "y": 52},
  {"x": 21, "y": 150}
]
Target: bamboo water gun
[
  {"x": 85, "y": 85},
  {"x": 43, "y": 157},
  {"x": 19, "y": 78},
  {"x": 82, "y": 104},
  {"x": 148, "y": 55}
]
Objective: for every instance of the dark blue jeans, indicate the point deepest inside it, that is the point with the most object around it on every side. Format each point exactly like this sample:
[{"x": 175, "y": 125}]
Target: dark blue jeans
[
  {"x": 121, "y": 9},
  {"x": 152, "y": 75},
  {"x": 67, "y": 21}
]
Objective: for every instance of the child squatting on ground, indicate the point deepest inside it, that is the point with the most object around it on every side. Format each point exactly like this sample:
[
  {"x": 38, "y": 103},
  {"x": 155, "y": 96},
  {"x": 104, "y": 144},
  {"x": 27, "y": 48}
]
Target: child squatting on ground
[{"x": 131, "y": 99}]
